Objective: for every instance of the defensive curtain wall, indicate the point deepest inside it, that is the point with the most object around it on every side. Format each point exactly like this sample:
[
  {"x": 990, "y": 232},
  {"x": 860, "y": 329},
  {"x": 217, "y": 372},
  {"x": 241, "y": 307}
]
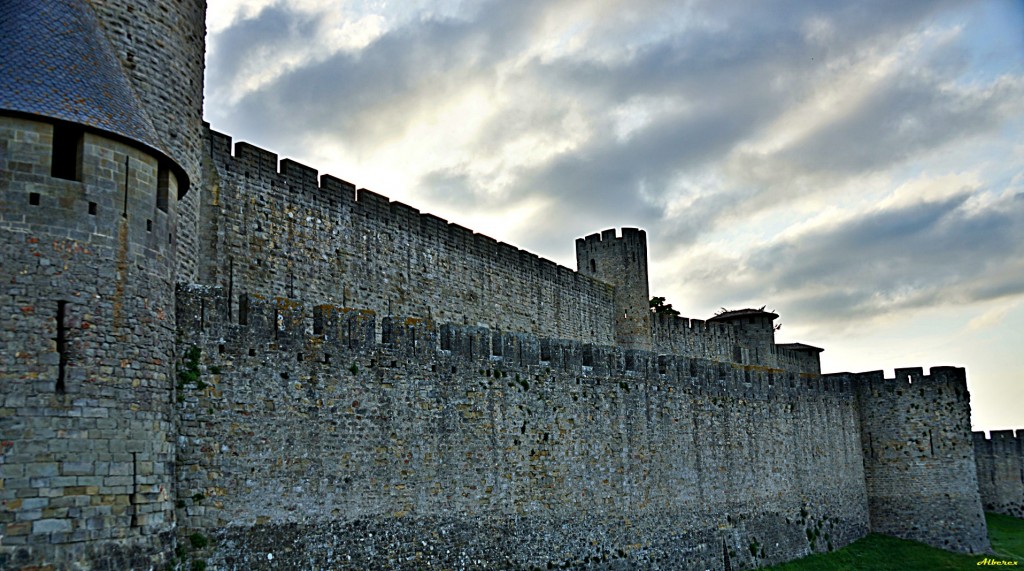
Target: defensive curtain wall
[
  {"x": 207, "y": 349},
  {"x": 1000, "y": 461},
  {"x": 305, "y": 442},
  {"x": 282, "y": 233},
  {"x": 568, "y": 452},
  {"x": 497, "y": 421},
  {"x": 285, "y": 231}
]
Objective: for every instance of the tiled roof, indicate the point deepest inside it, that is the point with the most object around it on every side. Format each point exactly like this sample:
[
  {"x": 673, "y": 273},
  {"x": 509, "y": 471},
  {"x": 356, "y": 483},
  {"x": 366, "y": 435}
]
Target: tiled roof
[
  {"x": 800, "y": 347},
  {"x": 56, "y": 62},
  {"x": 738, "y": 313}
]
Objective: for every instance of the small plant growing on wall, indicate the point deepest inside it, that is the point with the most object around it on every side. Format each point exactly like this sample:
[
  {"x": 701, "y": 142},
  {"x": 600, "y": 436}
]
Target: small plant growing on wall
[
  {"x": 188, "y": 370},
  {"x": 198, "y": 540}
]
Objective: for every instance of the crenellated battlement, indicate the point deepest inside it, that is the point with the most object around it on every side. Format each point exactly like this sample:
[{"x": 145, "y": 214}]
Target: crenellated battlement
[
  {"x": 349, "y": 382},
  {"x": 910, "y": 377},
  {"x": 722, "y": 340},
  {"x": 254, "y": 162},
  {"x": 1000, "y": 460},
  {"x": 1008, "y": 438},
  {"x": 317, "y": 332},
  {"x": 689, "y": 336},
  {"x": 387, "y": 256},
  {"x": 795, "y": 359},
  {"x": 610, "y": 236},
  {"x": 998, "y": 443}
]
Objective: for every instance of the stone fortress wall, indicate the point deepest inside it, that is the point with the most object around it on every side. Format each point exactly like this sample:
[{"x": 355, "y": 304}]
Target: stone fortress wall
[
  {"x": 314, "y": 444},
  {"x": 287, "y": 233},
  {"x": 280, "y": 229},
  {"x": 398, "y": 426},
  {"x": 482, "y": 373},
  {"x": 338, "y": 380},
  {"x": 87, "y": 329},
  {"x": 1000, "y": 461},
  {"x": 919, "y": 456}
]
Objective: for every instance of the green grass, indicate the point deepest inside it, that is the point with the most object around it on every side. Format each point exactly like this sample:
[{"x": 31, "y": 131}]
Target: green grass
[
  {"x": 1007, "y": 536},
  {"x": 884, "y": 553}
]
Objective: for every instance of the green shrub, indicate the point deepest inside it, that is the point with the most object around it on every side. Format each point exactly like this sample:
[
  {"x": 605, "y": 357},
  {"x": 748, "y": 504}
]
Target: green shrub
[{"x": 198, "y": 540}]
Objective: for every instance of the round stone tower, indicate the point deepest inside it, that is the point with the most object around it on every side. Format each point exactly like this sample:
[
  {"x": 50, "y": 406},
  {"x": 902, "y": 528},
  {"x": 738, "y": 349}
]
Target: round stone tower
[
  {"x": 161, "y": 46},
  {"x": 98, "y": 142},
  {"x": 621, "y": 262}
]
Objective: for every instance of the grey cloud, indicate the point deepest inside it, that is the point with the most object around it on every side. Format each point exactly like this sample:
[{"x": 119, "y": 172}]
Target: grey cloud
[
  {"x": 732, "y": 83},
  {"x": 369, "y": 93},
  {"x": 253, "y": 42},
  {"x": 452, "y": 188},
  {"x": 737, "y": 67},
  {"x": 909, "y": 116},
  {"x": 936, "y": 253},
  {"x": 367, "y": 96}
]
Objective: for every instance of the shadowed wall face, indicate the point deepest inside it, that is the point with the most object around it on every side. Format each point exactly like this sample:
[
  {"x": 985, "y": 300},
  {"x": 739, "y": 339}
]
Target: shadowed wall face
[
  {"x": 919, "y": 457},
  {"x": 1000, "y": 462}
]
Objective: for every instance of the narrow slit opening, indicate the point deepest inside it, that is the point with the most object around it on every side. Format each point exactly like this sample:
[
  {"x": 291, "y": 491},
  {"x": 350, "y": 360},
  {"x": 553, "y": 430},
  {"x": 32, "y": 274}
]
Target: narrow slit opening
[
  {"x": 243, "y": 309},
  {"x": 62, "y": 344},
  {"x": 162, "y": 186}
]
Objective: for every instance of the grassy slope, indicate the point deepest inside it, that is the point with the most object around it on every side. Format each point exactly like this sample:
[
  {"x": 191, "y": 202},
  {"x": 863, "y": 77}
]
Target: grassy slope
[
  {"x": 883, "y": 553},
  {"x": 1007, "y": 536}
]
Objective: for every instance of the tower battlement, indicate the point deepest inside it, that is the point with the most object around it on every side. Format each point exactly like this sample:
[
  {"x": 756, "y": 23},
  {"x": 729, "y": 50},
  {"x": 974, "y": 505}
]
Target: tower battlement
[
  {"x": 913, "y": 377},
  {"x": 916, "y": 428},
  {"x": 622, "y": 263},
  {"x": 1000, "y": 460}
]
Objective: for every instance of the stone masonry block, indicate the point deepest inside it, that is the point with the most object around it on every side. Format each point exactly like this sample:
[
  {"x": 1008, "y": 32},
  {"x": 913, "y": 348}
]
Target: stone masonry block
[
  {"x": 51, "y": 526},
  {"x": 77, "y": 468}
]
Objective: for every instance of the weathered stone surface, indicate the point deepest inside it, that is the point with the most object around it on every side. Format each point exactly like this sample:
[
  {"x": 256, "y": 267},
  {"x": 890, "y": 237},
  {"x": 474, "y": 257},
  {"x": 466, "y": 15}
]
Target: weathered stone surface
[
  {"x": 88, "y": 336},
  {"x": 343, "y": 382},
  {"x": 918, "y": 454},
  {"x": 1000, "y": 461}
]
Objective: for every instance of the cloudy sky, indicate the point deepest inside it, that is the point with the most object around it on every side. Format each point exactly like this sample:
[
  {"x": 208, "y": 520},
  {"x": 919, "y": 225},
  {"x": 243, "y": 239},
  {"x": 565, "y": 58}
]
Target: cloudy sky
[{"x": 856, "y": 166}]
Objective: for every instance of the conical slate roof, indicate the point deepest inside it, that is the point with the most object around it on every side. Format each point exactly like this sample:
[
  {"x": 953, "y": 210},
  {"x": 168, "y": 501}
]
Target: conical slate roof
[{"x": 56, "y": 62}]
